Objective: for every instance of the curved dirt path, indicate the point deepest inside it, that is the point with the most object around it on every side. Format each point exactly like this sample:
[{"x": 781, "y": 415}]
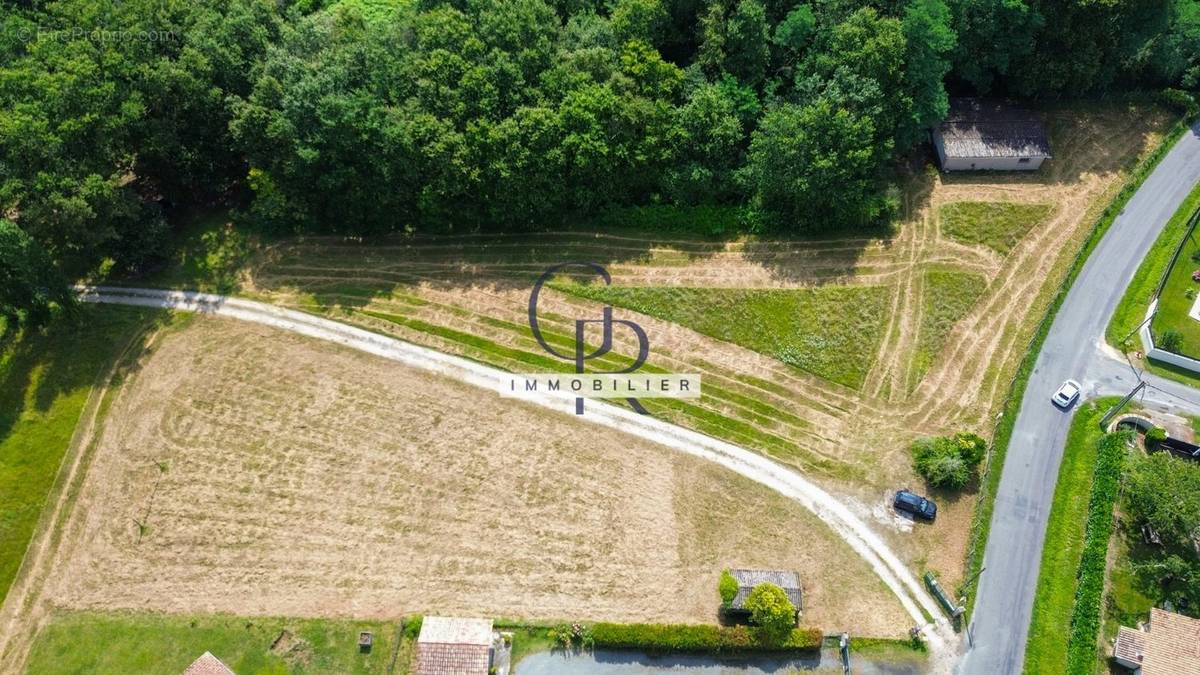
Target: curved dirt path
[{"x": 891, "y": 570}]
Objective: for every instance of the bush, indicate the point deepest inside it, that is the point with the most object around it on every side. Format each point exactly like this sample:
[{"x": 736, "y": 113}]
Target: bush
[
  {"x": 660, "y": 638},
  {"x": 1181, "y": 101},
  {"x": 727, "y": 587},
  {"x": 948, "y": 461},
  {"x": 1156, "y": 435},
  {"x": 412, "y": 626},
  {"x": 1171, "y": 341},
  {"x": 772, "y": 611},
  {"x": 1085, "y": 617}
]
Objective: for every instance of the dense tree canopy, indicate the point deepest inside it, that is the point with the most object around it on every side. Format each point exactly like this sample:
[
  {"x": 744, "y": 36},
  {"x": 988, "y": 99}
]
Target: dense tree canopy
[{"x": 367, "y": 117}]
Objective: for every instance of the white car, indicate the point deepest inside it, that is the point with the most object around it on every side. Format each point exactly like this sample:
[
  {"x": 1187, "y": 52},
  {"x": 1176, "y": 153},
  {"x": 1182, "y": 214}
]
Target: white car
[{"x": 1067, "y": 394}]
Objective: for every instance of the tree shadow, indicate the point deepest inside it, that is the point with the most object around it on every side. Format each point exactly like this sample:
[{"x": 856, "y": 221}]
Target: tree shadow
[{"x": 70, "y": 354}]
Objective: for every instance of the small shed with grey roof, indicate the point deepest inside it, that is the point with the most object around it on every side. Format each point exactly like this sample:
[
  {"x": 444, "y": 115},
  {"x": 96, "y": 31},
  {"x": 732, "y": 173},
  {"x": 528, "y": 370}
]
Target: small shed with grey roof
[
  {"x": 748, "y": 579},
  {"x": 981, "y": 135}
]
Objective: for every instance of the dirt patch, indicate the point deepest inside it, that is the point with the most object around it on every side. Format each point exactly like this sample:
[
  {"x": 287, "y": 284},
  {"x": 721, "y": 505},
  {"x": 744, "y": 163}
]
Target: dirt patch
[{"x": 304, "y": 479}]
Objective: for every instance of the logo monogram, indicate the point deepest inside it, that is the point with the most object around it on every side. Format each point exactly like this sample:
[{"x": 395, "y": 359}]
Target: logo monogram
[{"x": 581, "y": 356}]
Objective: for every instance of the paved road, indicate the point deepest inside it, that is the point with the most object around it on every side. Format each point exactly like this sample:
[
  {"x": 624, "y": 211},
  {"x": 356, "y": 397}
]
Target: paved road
[{"x": 1073, "y": 349}]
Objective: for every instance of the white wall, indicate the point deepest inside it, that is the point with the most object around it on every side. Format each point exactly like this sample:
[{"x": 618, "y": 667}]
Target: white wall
[
  {"x": 991, "y": 164},
  {"x": 1161, "y": 354}
]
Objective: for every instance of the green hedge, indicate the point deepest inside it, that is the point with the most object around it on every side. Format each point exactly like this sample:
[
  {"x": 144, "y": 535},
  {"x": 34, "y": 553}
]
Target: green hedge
[
  {"x": 658, "y": 637},
  {"x": 1086, "y": 618}
]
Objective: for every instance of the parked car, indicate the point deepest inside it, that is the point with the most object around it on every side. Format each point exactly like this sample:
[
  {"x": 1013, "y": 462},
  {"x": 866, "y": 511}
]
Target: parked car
[
  {"x": 1067, "y": 394},
  {"x": 913, "y": 503}
]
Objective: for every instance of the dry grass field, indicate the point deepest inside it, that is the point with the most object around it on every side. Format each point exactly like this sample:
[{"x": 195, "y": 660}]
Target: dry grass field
[
  {"x": 256, "y": 472},
  {"x": 939, "y": 318}
]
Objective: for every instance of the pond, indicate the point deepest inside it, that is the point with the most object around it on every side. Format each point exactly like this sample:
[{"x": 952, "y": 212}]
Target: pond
[{"x": 608, "y": 662}]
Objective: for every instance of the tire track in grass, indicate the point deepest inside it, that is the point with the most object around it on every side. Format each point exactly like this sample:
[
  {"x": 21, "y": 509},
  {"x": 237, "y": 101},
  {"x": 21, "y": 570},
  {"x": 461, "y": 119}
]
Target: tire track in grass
[{"x": 841, "y": 518}]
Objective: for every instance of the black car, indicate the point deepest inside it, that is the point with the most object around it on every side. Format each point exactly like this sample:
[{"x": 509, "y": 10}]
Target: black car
[{"x": 915, "y": 504}]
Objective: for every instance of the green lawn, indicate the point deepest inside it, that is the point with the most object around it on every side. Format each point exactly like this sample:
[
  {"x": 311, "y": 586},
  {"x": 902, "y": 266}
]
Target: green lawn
[
  {"x": 1129, "y": 598},
  {"x": 124, "y": 643},
  {"x": 1132, "y": 309},
  {"x": 1176, "y": 299},
  {"x": 830, "y": 331},
  {"x": 45, "y": 380},
  {"x": 997, "y": 225},
  {"x": 949, "y": 296},
  {"x": 1054, "y": 602}
]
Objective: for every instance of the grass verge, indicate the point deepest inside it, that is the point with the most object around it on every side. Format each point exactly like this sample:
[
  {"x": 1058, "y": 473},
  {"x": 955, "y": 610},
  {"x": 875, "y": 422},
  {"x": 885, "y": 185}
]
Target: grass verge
[
  {"x": 1046, "y": 651},
  {"x": 1131, "y": 311},
  {"x": 997, "y": 225},
  {"x": 1086, "y": 616},
  {"x": 45, "y": 381},
  {"x": 982, "y": 521},
  {"x": 119, "y": 643}
]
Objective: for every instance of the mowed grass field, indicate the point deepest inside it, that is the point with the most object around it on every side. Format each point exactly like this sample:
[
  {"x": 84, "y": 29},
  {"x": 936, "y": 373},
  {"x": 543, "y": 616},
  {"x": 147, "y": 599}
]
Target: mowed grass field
[
  {"x": 829, "y": 353},
  {"x": 823, "y": 330},
  {"x": 276, "y": 475},
  {"x": 998, "y": 225},
  {"x": 45, "y": 380},
  {"x": 120, "y": 643}
]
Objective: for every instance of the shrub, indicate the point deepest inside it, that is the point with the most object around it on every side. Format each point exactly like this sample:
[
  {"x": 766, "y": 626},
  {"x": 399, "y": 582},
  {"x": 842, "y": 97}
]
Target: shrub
[
  {"x": 660, "y": 638},
  {"x": 1085, "y": 616},
  {"x": 1163, "y": 492},
  {"x": 1171, "y": 341},
  {"x": 772, "y": 611},
  {"x": 412, "y": 626},
  {"x": 1156, "y": 435},
  {"x": 1178, "y": 99},
  {"x": 950, "y": 461},
  {"x": 569, "y": 636},
  {"x": 727, "y": 587}
]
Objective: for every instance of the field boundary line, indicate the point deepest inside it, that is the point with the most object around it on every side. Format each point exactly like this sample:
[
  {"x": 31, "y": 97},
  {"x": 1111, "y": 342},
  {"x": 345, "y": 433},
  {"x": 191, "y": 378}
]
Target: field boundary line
[
  {"x": 19, "y": 612},
  {"x": 864, "y": 541}
]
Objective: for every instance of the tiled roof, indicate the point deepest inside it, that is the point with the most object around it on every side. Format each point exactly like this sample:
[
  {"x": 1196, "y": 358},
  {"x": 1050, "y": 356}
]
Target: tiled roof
[
  {"x": 208, "y": 664},
  {"x": 1131, "y": 645},
  {"x": 1172, "y": 645},
  {"x": 748, "y": 579},
  {"x": 455, "y": 630},
  {"x": 454, "y": 646},
  {"x": 977, "y": 129},
  {"x": 434, "y": 658}
]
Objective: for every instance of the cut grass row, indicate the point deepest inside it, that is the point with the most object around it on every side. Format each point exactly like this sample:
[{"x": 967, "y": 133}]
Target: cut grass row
[
  {"x": 45, "y": 380},
  {"x": 997, "y": 225},
  {"x": 831, "y": 331},
  {"x": 1046, "y": 651},
  {"x": 948, "y": 296},
  {"x": 746, "y": 421}
]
